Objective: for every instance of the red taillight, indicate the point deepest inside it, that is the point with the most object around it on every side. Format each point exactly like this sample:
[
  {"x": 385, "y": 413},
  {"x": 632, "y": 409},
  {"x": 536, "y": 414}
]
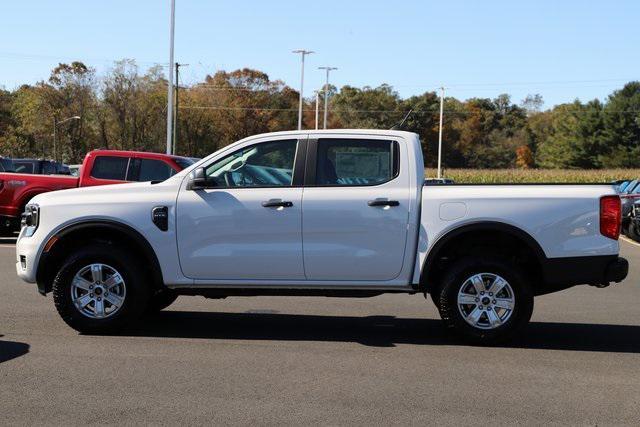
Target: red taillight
[{"x": 610, "y": 216}]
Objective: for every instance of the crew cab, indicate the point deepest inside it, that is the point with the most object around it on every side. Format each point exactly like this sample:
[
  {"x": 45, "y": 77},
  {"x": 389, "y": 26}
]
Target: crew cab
[
  {"x": 100, "y": 167},
  {"x": 339, "y": 213}
]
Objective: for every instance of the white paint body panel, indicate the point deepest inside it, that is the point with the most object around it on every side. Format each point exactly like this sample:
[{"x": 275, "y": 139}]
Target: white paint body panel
[{"x": 228, "y": 239}]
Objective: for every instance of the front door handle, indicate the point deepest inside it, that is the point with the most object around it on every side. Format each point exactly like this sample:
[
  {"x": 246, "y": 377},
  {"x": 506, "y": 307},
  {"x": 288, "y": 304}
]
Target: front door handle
[
  {"x": 277, "y": 204},
  {"x": 381, "y": 202}
]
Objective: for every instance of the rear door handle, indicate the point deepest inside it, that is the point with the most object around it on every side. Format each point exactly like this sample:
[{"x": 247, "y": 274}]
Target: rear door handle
[
  {"x": 380, "y": 202},
  {"x": 277, "y": 204}
]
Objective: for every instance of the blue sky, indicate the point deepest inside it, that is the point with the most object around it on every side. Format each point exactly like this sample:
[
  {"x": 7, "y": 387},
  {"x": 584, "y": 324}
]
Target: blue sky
[{"x": 561, "y": 49}]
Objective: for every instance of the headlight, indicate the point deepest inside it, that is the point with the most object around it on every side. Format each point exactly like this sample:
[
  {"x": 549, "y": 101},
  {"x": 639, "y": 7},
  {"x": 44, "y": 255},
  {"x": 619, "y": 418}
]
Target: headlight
[{"x": 30, "y": 219}]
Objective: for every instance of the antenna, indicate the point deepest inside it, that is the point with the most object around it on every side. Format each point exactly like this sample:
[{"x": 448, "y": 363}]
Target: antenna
[{"x": 399, "y": 125}]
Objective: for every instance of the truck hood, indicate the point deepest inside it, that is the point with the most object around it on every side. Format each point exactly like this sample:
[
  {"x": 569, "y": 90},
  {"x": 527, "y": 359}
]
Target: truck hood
[{"x": 90, "y": 195}]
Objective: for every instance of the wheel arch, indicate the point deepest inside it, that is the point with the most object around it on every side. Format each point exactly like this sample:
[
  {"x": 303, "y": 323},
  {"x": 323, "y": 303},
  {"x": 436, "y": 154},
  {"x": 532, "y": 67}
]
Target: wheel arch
[
  {"x": 493, "y": 229},
  {"x": 113, "y": 232}
]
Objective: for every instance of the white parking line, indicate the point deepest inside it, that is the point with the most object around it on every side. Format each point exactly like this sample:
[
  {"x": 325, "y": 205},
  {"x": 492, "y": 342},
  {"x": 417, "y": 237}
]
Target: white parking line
[{"x": 628, "y": 240}]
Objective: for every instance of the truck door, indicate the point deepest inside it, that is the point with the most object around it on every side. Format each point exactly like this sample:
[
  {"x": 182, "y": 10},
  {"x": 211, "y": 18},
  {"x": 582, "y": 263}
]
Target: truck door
[
  {"x": 355, "y": 209},
  {"x": 246, "y": 223}
]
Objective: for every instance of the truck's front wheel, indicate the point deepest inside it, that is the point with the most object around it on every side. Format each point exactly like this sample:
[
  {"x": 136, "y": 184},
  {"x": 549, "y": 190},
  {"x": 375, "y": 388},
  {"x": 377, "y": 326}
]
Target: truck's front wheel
[
  {"x": 485, "y": 300},
  {"x": 99, "y": 289}
]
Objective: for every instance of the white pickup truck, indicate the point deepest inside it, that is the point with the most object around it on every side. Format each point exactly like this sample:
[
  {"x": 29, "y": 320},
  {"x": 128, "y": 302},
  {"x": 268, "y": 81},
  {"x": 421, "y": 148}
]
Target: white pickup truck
[{"x": 322, "y": 213}]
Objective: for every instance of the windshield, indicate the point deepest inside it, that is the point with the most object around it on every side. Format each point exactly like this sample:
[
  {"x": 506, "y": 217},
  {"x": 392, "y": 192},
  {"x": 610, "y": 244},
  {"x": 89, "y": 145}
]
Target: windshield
[{"x": 184, "y": 162}]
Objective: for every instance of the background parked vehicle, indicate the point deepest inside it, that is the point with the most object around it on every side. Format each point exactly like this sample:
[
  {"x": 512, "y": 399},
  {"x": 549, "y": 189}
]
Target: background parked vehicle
[
  {"x": 629, "y": 193},
  {"x": 40, "y": 167},
  {"x": 100, "y": 167}
]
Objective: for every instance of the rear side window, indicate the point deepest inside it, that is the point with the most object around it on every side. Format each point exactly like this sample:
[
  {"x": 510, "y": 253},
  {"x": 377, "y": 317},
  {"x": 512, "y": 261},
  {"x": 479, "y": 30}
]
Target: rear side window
[
  {"x": 154, "y": 170},
  {"x": 110, "y": 167},
  {"x": 23, "y": 167},
  {"x": 356, "y": 162}
]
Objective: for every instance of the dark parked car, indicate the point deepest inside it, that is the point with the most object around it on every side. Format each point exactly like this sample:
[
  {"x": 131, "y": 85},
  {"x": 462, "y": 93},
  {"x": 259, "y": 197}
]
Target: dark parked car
[
  {"x": 40, "y": 167},
  {"x": 632, "y": 229}
]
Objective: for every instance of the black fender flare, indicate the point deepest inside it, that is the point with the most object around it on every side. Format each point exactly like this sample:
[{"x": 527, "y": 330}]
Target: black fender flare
[
  {"x": 148, "y": 252},
  {"x": 502, "y": 227}
]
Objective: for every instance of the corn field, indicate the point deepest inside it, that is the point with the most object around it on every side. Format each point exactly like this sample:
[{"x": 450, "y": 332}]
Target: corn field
[{"x": 491, "y": 176}]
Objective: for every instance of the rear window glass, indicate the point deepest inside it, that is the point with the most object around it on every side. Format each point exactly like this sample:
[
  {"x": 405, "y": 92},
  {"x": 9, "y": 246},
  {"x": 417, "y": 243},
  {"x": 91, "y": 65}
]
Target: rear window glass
[
  {"x": 110, "y": 167},
  {"x": 154, "y": 170}
]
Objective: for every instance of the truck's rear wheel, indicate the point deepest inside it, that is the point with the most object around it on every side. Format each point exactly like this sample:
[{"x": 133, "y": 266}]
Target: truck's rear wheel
[
  {"x": 485, "y": 300},
  {"x": 99, "y": 289}
]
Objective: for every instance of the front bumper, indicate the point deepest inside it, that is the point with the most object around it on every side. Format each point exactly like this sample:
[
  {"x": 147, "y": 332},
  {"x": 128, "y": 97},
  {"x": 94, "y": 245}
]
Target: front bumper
[{"x": 27, "y": 257}]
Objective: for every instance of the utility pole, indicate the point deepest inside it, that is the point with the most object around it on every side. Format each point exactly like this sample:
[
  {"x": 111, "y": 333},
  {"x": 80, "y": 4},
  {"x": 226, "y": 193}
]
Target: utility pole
[
  {"x": 175, "y": 115},
  {"x": 326, "y": 93},
  {"x": 317, "y": 101},
  {"x": 302, "y": 53},
  {"x": 170, "y": 87},
  {"x": 55, "y": 136},
  {"x": 440, "y": 132}
]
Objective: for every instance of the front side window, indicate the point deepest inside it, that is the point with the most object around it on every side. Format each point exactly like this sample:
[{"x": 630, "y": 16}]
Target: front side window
[
  {"x": 355, "y": 161},
  {"x": 268, "y": 164},
  {"x": 110, "y": 167}
]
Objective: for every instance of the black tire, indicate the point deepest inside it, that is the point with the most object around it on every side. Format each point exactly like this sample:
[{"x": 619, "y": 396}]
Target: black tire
[
  {"x": 455, "y": 279},
  {"x": 631, "y": 232},
  {"x": 161, "y": 300},
  {"x": 125, "y": 263}
]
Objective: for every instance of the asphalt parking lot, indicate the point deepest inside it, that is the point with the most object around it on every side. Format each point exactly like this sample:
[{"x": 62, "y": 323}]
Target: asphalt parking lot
[{"x": 275, "y": 360}]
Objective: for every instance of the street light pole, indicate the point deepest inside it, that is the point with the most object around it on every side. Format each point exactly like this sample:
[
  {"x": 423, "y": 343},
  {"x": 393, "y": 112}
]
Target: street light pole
[
  {"x": 175, "y": 115},
  {"x": 302, "y": 53},
  {"x": 440, "y": 132},
  {"x": 317, "y": 106},
  {"x": 326, "y": 93},
  {"x": 170, "y": 73}
]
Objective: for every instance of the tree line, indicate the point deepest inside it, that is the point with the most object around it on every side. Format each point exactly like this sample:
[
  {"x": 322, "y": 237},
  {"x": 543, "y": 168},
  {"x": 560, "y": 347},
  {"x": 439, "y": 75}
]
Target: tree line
[{"x": 126, "y": 109}]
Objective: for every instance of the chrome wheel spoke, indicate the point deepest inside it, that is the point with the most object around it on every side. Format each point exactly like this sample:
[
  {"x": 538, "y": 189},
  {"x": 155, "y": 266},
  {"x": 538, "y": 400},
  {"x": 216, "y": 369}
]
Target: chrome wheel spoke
[
  {"x": 99, "y": 307},
  {"x": 114, "y": 299},
  {"x": 96, "y": 273},
  {"x": 82, "y": 301},
  {"x": 497, "y": 285},
  {"x": 467, "y": 299},
  {"x": 112, "y": 281},
  {"x": 494, "y": 319},
  {"x": 505, "y": 303},
  {"x": 474, "y": 316},
  {"x": 478, "y": 283},
  {"x": 81, "y": 283}
]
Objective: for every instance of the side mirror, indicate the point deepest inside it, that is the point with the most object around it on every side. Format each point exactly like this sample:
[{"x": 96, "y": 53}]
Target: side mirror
[{"x": 198, "y": 180}]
